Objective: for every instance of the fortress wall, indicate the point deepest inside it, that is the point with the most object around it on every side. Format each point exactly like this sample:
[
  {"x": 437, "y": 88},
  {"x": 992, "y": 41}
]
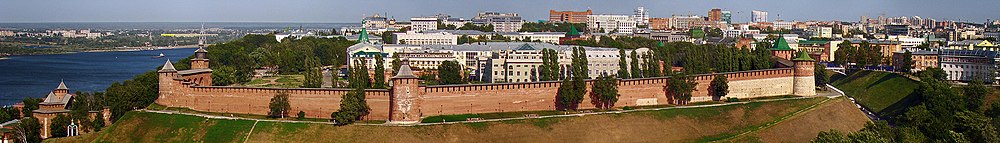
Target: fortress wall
[
  {"x": 461, "y": 99},
  {"x": 316, "y": 103},
  {"x": 513, "y": 97}
]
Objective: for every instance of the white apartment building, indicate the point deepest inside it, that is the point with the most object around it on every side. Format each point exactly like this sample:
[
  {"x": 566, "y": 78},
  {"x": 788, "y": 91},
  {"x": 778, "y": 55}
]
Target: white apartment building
[
  {"x": 783, "y": 25},
  {"x": 685, "y": 22},
  {"x": 426, "y": 38},
  {"x": 612, "y": 23},
  {"x": 758, "y": 16},
  {"x": 641, "y": 15},
  {"x": 821, "y": 32},
  {"x": 547, "y": 37},
  {"x": 502, "y": 22},
  {"x": 418, "y": 24}
]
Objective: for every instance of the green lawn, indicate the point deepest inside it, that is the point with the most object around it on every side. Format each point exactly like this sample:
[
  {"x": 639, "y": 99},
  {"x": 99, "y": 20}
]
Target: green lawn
[
  {"x": 669, "y": 125},
  {"x": 282, "y": 81},
  {"x": 883, "y": 92}
]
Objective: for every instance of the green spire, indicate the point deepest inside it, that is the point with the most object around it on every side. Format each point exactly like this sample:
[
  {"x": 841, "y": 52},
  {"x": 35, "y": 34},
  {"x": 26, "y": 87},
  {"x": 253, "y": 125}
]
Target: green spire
[
  {"x": 364, "y": 33},
  {"x": 803, "y": 56},
  {"x": 573, "y": 31},
  {"x": 659, "y": 44},
  {"x": 780, "y": 44}
]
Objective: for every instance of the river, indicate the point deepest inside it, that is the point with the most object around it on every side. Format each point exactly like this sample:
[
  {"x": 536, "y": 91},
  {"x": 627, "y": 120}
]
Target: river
[{"x": 36, "y": 75}]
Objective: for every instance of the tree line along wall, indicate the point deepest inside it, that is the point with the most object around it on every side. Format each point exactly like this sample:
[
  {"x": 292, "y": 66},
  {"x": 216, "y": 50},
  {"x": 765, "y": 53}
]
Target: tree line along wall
[{"x": 456, "y": 99}]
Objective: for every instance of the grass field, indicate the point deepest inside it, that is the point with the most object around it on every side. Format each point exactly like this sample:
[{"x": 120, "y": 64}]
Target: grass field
[
  {"x": 701, "y": 124},
  {"x": 882, "y": 92},
  {"x": 283, "y": 81}
]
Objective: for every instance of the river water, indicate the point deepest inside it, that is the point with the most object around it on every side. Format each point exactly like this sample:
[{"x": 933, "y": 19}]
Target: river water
[{"x": 36, "y": 75}]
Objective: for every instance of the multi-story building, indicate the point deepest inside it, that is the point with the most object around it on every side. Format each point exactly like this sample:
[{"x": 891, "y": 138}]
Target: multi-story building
[
  {"x": 502, "y": 22},
  {"x": 787, "y": 25},
  {"x": 659, "y": 23},
  {"x": 969, "y": 65},
  {"x": 727, "y": 16},
  {"x": 641, "y": 16},
  {"x": 546, "y": 37},
  {"x": 426, "y": 38},
  {"x": 419, "y": 24},
  {"x": 569, "y": 16},
  {"x": 686, "y": 22},
  {"x": 897, "y": 30},
  {"x": 820, "y": 31},
  {"x": 922, "y": 59},
  {"x": 887, "y": 47},
  {"x": 378, "y": 22},
  {"x": 611, "y": 23},
  {"x": 715, "y": 14},
  {"x": 758, "y": 16}
]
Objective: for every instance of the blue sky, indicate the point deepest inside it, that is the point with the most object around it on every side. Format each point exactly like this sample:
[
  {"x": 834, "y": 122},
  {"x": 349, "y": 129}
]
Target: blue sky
[{"x": 352, "y": 11}]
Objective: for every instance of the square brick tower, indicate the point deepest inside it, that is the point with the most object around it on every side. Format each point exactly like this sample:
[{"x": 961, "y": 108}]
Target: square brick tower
[{"x": 405, "y": 97}]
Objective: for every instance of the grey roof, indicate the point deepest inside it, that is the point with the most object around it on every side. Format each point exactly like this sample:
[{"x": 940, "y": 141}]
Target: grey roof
[
  {"x": 404, "y": 72},
  {"x": 52, "y": 100},
  {"x": 168, "y": 67},
  {"x": 62, "y": 85},
  {"x": 193, "y": 71},
  {"x": 201, "y": 50}
]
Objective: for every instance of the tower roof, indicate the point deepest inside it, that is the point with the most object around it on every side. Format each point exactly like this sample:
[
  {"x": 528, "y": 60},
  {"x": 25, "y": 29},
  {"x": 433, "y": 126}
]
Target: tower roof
[
  {"x": 404, "y": 71},
  {"x": 168, "y": 67},
  {"x": 803, "y": 56},
  {"x": 781, "y": 44},
  {"x": 62, "y": 85},
  {"x": 201, "y": 50},
  {"x": 573, "y": 31}
]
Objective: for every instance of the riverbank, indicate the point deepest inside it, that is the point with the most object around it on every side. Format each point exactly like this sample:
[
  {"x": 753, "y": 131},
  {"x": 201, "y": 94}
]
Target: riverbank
[{"x": 141, "y": 48}]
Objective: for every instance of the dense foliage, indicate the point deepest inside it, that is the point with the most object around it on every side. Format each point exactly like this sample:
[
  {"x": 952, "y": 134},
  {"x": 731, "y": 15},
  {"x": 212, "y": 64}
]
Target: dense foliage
[
  {"x": 942, "y": 113},
  {"x": 679, "y": 87},
  {"x": 719, "y": 87},
  {"x": 379, "y": 72},
  {"x": 470, "y": 26},
  {"x": 862, "y": 55},
  {"x": 551, "y": 27},
  {"x": 313, "y": 75},
  {"x": 353, "y": 105},
  {"x": 450, "y": 72},
  {"x": 549, "y": 70},
  {"x": 819, "y": 73},
  {"x": 279, "y": 106},
  {"x": 604, "y": 92},
  {"x": 572, "y": 89},
  {"x": 623, "y": 64}
]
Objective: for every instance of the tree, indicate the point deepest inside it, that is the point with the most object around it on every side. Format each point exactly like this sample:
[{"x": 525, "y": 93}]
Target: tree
[
  {"x": 680, "y": 87},
  {"x": 831, "y": 136},
  {"x": 622, "y": 64},
  {"x": 567, "y": 95},
  {"x": 279, "y": 105},
  {"x": 932, "y": 73},
  {"x": 353, "y": 105},
  {"x": 449, "y": 72},
  {"x": 821, "y": 76},
  {"x": 30, "y": 105},
  {"x": 59, "y": 125},
  {"x": 301, "y": 115},
  {"x": 313, "y": 75},
  {"x": 549, "y": 70},
  {"x": 604, "y": 92},
  {"x": 28, "y": 131},
  {"x": 379, "y": 72},
  {"x": 906, "y": 63},
  {"x": 719, "y": 87},
  {"x": 396, "y": 63},
  {"x": 636, "y": 70},
  {"x": 975, "y": 94}
]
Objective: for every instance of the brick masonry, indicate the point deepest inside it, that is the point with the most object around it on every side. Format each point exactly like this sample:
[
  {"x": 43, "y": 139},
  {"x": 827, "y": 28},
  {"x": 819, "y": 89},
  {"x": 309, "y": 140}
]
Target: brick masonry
[{"x": 408, "y": 102}]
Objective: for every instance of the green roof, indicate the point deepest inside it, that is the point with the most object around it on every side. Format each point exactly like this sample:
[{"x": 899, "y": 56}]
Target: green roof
[
  {"x": 659, "y": 44},
  {"x": 573, "y": 31},
  {"x": 813, "y": 42},
  {"x": 803, "y": 56},
  {"x": 780, "y": 44}
]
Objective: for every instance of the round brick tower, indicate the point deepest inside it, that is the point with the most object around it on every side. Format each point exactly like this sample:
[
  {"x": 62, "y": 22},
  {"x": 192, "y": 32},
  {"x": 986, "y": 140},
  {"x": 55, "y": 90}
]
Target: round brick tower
[
  {"x": 405, "y": 97},
  {"x": 804, "y": 82}
]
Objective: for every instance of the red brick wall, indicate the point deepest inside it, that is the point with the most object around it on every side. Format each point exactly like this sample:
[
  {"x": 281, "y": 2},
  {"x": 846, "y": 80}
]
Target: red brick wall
[{"x": 432, "y": 100}]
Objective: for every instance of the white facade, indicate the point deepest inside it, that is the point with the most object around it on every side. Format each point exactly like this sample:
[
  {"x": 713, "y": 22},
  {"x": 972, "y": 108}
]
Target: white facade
[
  {"x": 547, "y": 37},
  {"x": 641, "y": 15},
  {"x": 436, "y": 38},
  {"x": 758, "y": 16},
  {"x": 821, "y": 32},
  {"x": 620, "y": 23},
  {"x": 783, "y": 25},
  {"x": 502, "y": 22},
  {"x": 419, "y": 24}
]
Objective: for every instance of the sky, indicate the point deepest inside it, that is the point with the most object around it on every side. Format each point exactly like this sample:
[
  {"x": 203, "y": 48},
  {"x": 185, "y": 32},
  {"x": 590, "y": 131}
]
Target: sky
[{"x": 339, "y": 11}]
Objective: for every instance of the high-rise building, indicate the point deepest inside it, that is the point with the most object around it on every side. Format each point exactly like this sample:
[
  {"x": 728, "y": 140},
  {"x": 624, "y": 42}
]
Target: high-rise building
[
  {"x": 502, "y": 22},
  {"x": 659, "y": 23},
  {"x": 727, "y": 16},
  {"x": 758, "y": 16},
  {"x": 715, "y": 14},
  {"x": 569, "y": 16},
  {"x": 641, "y": 15}
]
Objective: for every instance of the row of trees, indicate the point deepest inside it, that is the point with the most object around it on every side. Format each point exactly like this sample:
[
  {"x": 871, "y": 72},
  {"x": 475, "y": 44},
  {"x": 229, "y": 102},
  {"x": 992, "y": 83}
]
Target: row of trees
[
  {"x": 865, "y": 54},
  {"x": 941, "y": 113}
]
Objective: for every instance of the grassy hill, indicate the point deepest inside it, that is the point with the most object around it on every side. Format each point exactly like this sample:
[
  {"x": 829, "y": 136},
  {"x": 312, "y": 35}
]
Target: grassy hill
[
  {"x": 701, "y": 124},
  {"x": 883, "y": 92}
]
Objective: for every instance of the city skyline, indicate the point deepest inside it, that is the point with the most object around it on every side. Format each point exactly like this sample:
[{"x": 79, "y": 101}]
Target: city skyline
[{"x": 352, "y": 11}]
